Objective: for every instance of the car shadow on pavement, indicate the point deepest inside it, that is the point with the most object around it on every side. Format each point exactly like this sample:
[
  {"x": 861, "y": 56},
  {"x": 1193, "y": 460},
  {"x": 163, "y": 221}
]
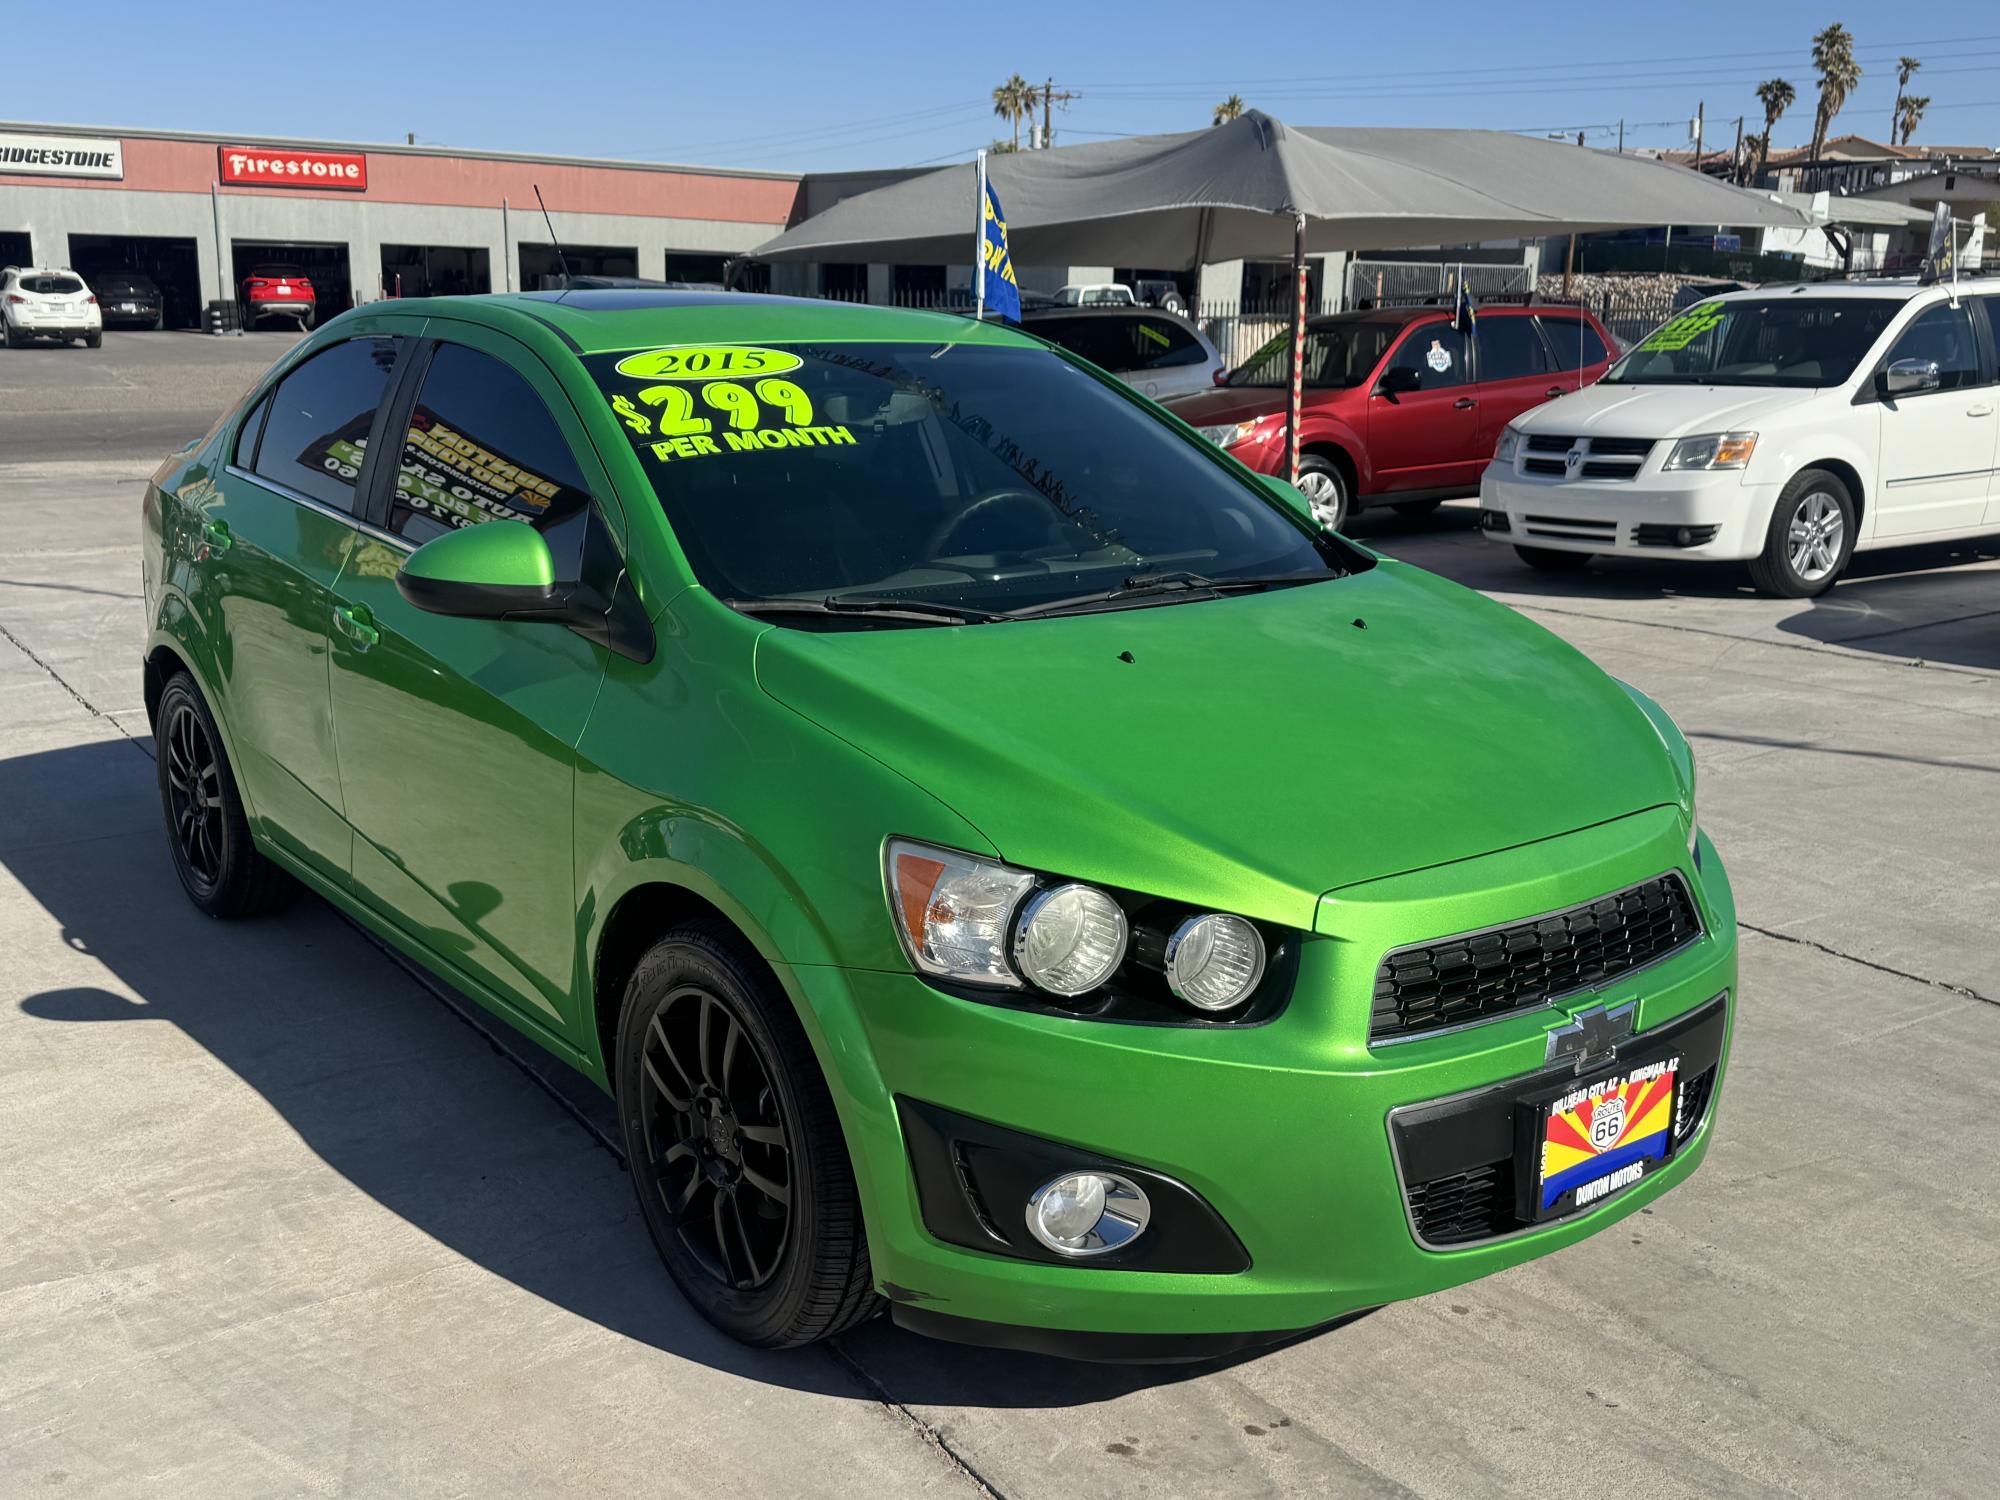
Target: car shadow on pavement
[{"x": 398, "y": 1094}]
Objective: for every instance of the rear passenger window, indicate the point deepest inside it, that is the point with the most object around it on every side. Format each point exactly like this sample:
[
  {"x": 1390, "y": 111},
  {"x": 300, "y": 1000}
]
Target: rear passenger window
[
  {"x": 482, "y": 447},
  {"x": 317, "y": 431},
  {"x": 1161, "y": 344},
  {"x": 1575, "y": 342},
  {"x": 1510, "y": 349}
]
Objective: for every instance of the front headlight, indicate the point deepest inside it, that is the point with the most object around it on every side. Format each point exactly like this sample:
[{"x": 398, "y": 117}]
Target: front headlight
[
  {"x": 1229, "y": 434},
  {"x": 1115, "y": 955},
  {"x": 1510, "y": 441},
  {"x": 1712, "y": 450}
]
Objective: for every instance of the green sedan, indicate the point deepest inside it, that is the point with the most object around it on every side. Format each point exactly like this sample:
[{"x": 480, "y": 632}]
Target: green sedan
[{"x": 1005, "y": 862}]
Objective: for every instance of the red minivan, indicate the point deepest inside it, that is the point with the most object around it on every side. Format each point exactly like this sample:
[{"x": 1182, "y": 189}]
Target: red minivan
[{"x": 1400, "y": 408}]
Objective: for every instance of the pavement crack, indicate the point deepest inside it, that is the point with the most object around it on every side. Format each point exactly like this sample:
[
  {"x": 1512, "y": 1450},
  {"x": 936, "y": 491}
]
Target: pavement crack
[
  {"x": 935, "y": 1439},
  {"x": 1868, "y": 963},
  {"x": 60, "y": 681}
]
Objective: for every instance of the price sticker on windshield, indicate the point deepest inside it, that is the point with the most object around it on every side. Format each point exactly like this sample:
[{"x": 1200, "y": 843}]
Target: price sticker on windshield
[
  {"x": 1678, "y": 333},
  {"x": 707, "y": 362}
]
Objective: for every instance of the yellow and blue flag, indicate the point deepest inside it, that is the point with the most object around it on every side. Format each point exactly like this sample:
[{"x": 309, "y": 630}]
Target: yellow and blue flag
[
  {"x": 1464, "y": 315},
  {"x": 999, "y": 291}
]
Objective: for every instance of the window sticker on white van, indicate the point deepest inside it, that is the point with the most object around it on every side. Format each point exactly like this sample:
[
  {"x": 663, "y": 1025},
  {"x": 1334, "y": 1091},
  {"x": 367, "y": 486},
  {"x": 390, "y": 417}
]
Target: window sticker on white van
[{"x": 1678, "y": 333}]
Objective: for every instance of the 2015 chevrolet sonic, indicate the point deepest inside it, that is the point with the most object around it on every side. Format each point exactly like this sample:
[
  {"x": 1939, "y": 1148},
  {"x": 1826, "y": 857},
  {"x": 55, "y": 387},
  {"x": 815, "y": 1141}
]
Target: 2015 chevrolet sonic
[{"x": 1004, "y": 859}]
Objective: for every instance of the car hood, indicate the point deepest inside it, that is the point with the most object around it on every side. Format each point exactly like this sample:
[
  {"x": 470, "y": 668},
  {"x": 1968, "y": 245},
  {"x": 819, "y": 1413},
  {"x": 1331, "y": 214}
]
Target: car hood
[
  {"x": 1660, "y": 411},
  {"x": 1253, "y": 751},
  {"x": 1214, "y": 407}
]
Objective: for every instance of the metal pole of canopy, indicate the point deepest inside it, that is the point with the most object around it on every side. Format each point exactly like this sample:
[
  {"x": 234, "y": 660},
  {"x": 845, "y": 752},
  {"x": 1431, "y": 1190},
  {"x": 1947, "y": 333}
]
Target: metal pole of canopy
[
  {"x": 979, "y": 247},
  {"x": 1298, "y": 350}
]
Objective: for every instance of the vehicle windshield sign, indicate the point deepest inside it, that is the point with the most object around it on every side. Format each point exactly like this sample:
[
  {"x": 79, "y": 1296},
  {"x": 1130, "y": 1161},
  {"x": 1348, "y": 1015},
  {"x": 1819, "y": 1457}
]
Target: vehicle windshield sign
[
  {"x": 991, "y": 479},
  {"x": 1791, "y": 340}
]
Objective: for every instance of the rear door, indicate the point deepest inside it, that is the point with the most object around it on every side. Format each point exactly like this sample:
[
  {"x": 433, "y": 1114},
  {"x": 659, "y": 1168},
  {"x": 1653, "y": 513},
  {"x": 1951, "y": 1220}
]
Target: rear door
[
  {"x": 1580, "y": 352},
  {"x": 1937, "y": 447},
  {"x": 457, "y": 736},
  {"x": 1515, "y": 368},
  {"x": 275, "y": 534},
  {"x": 1427, "y": 438}
]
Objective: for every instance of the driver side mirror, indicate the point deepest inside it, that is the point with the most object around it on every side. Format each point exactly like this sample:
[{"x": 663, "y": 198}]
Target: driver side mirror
[
  {"x": 1399, "y": 380},
  {"x": 1907, "y": 377},
  {"x": 493, "y": 571}
]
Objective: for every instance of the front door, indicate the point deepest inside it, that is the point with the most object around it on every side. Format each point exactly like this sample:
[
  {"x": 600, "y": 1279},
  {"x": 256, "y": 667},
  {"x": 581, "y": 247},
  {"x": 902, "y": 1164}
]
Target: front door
[
  {"x": 1426, "y": 438},
  {"x": 1937, "y": 445},
  {"x": 274, "y": 541},
  {"x": 457, "y": 737}
]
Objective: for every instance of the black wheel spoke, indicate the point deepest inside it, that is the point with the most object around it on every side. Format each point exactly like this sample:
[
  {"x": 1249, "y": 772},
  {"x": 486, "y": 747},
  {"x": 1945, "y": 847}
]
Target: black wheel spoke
[
  {"x": 777, "y": 1192},
  {"x": 763, "y": 1135},
  {"x": 678, "y": 1102},
  {"x": 729, "y": 1050},
  {"x": 703, "y": 1050}
]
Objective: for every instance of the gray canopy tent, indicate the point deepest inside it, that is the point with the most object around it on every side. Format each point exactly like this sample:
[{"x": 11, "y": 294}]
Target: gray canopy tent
[{"x": 1256, "y": 188}]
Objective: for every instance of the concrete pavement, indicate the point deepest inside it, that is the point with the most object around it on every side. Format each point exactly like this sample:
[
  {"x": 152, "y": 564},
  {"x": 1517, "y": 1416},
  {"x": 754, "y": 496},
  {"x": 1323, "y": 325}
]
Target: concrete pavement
[{"x": 277, "y": 1218}]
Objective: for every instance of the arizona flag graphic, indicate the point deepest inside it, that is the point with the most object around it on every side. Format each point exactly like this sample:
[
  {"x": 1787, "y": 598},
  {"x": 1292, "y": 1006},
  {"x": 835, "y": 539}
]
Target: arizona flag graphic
[{"x": 1614, "y": 1128}]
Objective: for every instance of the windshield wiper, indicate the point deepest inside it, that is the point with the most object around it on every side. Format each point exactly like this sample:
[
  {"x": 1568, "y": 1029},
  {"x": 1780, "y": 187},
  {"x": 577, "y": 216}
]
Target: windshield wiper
[
  {"x": 1168, "y": 585},
  {"x": 867, "y": 607}
]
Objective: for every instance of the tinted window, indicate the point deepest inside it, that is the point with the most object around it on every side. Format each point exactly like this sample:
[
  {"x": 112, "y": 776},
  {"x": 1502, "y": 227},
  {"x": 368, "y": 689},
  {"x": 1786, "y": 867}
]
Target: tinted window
[
  {"x": 1943, "y": 337},
  {"x": 1575, "y": 341},
  {"x": 51, "y": 286},
  {"x": 1436, "y": 351},
  {"x": 1510, "y": 349},
  {"x": 988, "y": 477},
  {"x": 482, "y": 447},
  {"x": 1990, "y": 306},
  {"x": 317, "y": 433},
  {"x": 1339, "y": 355},
  {"x": 1123, "y": 344},
  {"x": 1789, "y": 340},
  {"x": 248, "y": 433}
]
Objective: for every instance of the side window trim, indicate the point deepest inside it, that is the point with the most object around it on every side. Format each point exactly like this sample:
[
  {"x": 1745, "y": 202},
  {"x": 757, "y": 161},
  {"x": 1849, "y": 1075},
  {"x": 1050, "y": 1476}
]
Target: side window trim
[
  {"x": 265, "y": 401},
  {"x": 260, "y": 413}
]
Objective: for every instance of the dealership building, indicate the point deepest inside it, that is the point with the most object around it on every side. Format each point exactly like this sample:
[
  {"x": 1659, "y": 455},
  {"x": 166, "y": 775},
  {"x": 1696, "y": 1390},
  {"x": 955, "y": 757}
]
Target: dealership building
[{"x": 198, "y": 213}]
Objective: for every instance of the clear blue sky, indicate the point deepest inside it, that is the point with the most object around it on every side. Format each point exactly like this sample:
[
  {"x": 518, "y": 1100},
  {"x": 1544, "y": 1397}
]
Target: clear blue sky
[{"x": 801, "y": 87}]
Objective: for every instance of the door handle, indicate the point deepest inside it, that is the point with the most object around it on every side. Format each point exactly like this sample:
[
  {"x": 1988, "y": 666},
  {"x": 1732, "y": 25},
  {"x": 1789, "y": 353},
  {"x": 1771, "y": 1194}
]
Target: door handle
[
  {"x": 1553, "y": 391},
  {"x": 356, "y": 623},
  {"x": 215, "y": 538},
  {"x": 1979, "y": 411},
  {"x": 1464, "y": 403}
]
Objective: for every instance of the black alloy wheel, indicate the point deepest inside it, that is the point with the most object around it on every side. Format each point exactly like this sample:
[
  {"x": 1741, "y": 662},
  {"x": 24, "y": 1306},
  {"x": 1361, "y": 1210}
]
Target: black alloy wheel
[
  {"x": 208, "y": 833},
  {"x": 717, "y": 1151}
]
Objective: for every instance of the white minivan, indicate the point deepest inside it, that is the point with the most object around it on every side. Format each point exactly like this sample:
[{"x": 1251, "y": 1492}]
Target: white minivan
[{"x": 1785, "y": 427}]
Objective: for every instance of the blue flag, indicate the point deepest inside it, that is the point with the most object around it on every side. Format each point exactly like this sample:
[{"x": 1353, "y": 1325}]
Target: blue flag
[
  {"x": 1464, "y": 317},
  {"x": 996, "y": 270}
]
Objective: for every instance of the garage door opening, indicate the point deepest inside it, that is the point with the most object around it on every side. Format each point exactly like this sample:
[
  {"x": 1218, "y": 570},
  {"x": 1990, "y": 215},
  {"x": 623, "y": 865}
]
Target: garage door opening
[
  {"x": 15, "y": 248},
  {"x": 325, "y": 266},
  {"x": 434, "y": 271},
  {"x": 541, "y": 271},
  {"x": 141, "y": 280}
]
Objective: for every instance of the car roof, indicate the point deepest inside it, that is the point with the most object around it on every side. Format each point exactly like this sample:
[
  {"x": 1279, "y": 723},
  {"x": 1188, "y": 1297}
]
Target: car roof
[
  {"x": 1877, "y": 288},
  {"x": 1410, "y": 314},
  {"x": 1106, "y": 310},
  {"x": 598, "y": 321}
]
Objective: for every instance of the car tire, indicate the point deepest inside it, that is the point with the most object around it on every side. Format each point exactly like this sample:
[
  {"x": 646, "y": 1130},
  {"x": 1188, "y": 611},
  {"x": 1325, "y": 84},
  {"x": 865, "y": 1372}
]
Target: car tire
[
  {"x": 219, "y": 864},
  {"x": 735, "y": 1151},
  {"x": 93, "y": 340},
  {"x": 1323, "y": 484},
  {"x": 13, "y": 338},
  {"x": 159, "y": 321},
  {"x": 1416, "y": 510},
  {"x": 1810, "y": 539},
  {"x": 1551, "y": 560}
]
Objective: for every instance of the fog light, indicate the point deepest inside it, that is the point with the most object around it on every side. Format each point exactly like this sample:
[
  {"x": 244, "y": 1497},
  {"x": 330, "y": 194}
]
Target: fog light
[
  {"x": 1071, "y": 939},
  {"x": 1088, "y": 1213},
  {"x": 1685, "y": 536},
  {"x": 1214, "y": 962}
]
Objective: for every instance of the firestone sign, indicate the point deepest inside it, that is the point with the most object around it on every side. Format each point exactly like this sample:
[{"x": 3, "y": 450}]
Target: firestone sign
[
  {"x": 61, "y": 156},
  {"x": 266, "y": 166}
]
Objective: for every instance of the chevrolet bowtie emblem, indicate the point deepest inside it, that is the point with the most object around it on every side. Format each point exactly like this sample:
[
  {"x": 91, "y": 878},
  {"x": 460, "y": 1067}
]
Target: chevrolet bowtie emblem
[{"x": 1592, "y": 1036}]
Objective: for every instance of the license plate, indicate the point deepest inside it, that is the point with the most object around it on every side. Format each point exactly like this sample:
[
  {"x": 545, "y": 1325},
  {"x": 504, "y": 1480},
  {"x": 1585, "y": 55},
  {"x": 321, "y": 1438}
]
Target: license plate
[
  {"x": 1602, "y": 1136},
  {"x": 284, "y": 290},
  {"x": 128, "y": 307}
]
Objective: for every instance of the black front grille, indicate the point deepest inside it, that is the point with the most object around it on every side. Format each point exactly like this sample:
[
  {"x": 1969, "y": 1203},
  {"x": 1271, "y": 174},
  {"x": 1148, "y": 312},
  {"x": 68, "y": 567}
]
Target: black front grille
[
  {"x": 1621, "y": 447},
  {"x": 1659, "y": 534},
  {"x": 1550, "y": 466},
  {"x": 1465, "y": 1206},
  {"x": 1692, "y": 1106},
  {"x": 1545, "y": 442},
  {"x": 1478, "y": 975}
]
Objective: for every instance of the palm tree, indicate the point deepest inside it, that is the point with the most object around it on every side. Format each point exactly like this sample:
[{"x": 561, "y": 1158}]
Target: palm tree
[
  {"x": 1776, "y": 96},
  {"x": 1913, "y": 114},
  {"x": 1229, "y": 109},
  {"x": 1906, "y": 68},
  {"x": 1012, "y": 102},
  {"x": 1833, "y": 55}
]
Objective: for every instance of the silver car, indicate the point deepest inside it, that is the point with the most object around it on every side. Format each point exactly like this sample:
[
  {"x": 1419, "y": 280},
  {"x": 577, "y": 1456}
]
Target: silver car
[{"x": 1154, "y": 352}]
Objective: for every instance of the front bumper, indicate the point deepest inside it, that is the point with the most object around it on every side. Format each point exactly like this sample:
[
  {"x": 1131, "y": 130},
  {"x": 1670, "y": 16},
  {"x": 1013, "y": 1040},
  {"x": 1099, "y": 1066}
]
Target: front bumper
[
  {"x": 1645, "y": 516},
  {"x": 1283, "y": 1129}
]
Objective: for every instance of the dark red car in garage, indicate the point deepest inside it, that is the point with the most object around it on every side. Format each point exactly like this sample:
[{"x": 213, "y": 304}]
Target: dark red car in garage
[{"x": 1400, "y": 407}]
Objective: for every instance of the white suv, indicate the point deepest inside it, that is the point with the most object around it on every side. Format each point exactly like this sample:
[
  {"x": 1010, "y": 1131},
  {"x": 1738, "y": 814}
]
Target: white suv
[
  {"x": 49, "y": 303},
  {"x": 1789, "y": 427}
]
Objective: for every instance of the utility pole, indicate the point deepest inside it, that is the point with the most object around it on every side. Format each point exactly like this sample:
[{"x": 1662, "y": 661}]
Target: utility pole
[
  {"x": 1699, "y": 121},
  {"x": 1736, "y": 155},
  {"x": 1050, "y": 98},
  {"x": 1621, "y": 137}
]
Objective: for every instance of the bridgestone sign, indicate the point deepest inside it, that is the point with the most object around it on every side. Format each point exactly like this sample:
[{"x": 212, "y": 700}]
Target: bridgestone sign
[{"x": 61, "y": 156}]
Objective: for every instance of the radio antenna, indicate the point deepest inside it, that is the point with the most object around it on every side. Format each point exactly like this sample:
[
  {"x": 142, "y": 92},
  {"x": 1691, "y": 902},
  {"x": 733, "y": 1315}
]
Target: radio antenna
[{"x": 561, "y": 259}]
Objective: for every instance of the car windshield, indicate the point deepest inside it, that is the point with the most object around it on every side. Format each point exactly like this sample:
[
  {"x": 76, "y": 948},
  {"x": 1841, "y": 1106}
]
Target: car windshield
[
  {"x": 954, "y": 478},
  {"x": 1786, "y": 340},
  {"x": 1338, "y": 356}
]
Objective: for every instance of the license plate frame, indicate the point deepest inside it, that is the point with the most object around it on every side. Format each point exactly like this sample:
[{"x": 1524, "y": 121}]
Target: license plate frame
[{"x": 1629, "y": 1107}]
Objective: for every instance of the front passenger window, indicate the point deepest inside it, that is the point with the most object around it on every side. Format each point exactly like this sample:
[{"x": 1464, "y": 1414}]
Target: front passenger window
[
  {"x": 317, "y": 432},
  {"x": 482, "y": 447},
  {"x": 1436, "y": 351},
  {"x": 1942, "y": 336}
]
